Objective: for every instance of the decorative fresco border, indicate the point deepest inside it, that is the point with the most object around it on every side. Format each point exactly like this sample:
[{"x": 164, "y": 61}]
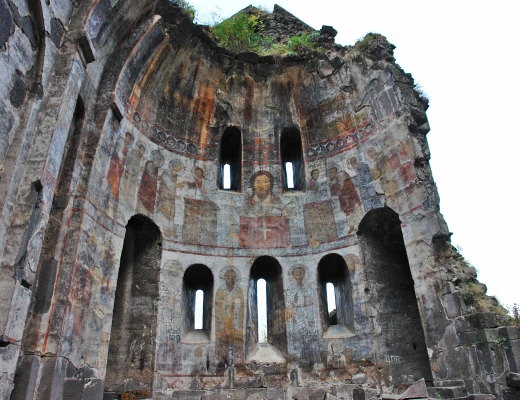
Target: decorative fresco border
[
  {"x": 192, "y": 149},
  {"x": 341, "y": 143}
]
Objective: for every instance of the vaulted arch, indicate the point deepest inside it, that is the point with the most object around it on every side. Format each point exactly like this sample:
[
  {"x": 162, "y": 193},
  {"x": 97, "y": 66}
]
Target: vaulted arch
[
  {"x": 389, "y": 284},
  {"x": 131, "y": 353}
]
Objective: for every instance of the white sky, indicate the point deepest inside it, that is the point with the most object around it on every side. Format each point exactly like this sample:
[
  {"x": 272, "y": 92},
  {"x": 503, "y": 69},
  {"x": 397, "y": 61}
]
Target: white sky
[{"x": 465, "y": 55}]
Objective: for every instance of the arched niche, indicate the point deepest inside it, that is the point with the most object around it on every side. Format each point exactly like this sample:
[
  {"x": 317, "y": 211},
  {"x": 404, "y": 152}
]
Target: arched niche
[
  {"x": 291, "y": 151},
  {"x": 197, "y": 277},
  {"x": 399, "y": 338},
  {"x": 131, "y": 353},
  {"x": 332, "y": 269},
  {"x": 268, "y": 269},
  {"x": 231, "y": 154}
]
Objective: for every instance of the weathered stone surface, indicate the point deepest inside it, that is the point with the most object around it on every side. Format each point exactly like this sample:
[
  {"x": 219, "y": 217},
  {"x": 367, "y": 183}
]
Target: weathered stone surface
[
  {"x": 513, "y": 380},
  {"x": 417, "y": 391},
  {"x": 6, "y": 23},
  {"x": 249, "y": 57},
  {"x": 29, "y": 29},
  {"x": 142, "y": 133},
  {"x": 25, "y": 379},
  {"x": 324, "y": 68},
  {"x": 476, "y": 321},
  {"x": 481, "y": 397},
  {"x": 328, "y": 30},
  {"x": 359, "y": 378},
  {"x": 73, "y": 389},
  {"x": 447, "y": 392},
  {"x": 275, "y": 393},
  {"x": 56, "y": 32},
  {"x": 6, "y": 124},
  {"x": 18, "y": 91},
  {"x": 216, "y": 397},
  {"x": 93, "y": 389},
  {"x": 303, "y": 394},
  {"x": 365, "y": 394}
]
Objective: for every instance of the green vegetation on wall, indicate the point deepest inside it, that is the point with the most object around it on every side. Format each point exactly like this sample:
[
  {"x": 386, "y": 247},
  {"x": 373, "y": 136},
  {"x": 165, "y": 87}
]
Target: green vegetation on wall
[
  {"x": 238, "y": 33},
  {"x": 243, "y": 32},
  {"x": 363, "y": 43}
]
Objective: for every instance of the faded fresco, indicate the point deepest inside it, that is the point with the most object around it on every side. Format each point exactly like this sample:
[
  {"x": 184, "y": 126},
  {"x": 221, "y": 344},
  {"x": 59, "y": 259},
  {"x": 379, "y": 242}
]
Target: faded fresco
[
  {"x": 145, "y": 114},
  {"x": 229, "y": 319}
]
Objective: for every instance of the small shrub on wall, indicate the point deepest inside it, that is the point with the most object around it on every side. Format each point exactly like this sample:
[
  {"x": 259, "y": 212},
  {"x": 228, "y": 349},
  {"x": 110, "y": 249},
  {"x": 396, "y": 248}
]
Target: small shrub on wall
[{"x": 237, "y": 33}]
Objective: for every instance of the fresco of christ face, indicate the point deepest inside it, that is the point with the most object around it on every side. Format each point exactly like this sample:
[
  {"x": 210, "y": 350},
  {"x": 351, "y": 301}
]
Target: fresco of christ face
[{"x": 262, "y": 186}]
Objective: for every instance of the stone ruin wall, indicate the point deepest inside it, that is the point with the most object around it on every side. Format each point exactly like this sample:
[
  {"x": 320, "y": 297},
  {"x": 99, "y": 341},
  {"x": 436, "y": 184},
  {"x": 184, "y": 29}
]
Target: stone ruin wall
[{"x": 156, "y": 96}]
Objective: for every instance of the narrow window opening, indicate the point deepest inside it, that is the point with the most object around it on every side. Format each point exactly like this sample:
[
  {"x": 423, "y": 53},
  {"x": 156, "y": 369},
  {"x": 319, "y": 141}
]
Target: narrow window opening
[
  {"x": 331, "y": 304},
  {"x": 291, "y": 152},
  {"x": 197, "y": 295},
  {"x": 227, "y": 177},
  {"x": 290, "y": 175},
  {"x": 261, "y": 297},
  {"x": 199, "y": 310},
  {"x": 335, "y": 297},
  {"x": 230, "y": 171},
  {"x": 266, "y": 341}
]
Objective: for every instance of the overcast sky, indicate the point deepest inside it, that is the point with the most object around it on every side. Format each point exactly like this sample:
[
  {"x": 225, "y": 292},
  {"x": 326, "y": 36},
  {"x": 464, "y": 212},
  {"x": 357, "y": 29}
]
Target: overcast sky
[{"x": 465, "y": 55}]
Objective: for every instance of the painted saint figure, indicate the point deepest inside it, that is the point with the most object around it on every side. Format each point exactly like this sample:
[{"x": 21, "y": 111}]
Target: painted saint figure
[
  {"x": 168, "y": 194},
  {"x": 341, "y": 185},
  {"x": 375, "y": 156},
  {"x": 115, "y": 170},
  {"x": 262, "y": 183},
  {"x": 131, "y": 174},
  {"x": 148, "y": 186},
  {"x": 117, "y": 164},
  {"x": 367, "y": 189},
  {"x": 197, "y": 184},
  {"x": 316, "y": 189},
  {"x": 229, "y": 319},
  {"x": 306, "y": 329}
]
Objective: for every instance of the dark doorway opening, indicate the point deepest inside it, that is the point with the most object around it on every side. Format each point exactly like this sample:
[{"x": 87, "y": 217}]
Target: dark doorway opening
[
  {"x": 131, "y": 354},
  {"x": 390, "y": 285}
]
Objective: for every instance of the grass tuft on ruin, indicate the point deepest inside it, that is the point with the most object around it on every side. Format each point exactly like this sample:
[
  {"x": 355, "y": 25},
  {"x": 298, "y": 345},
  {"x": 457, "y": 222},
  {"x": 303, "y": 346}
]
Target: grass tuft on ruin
[{"x": 244, "y": 32}]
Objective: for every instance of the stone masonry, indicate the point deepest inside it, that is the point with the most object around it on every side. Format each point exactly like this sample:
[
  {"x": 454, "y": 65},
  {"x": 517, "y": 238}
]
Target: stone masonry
[{"x": 116, "y": 117}]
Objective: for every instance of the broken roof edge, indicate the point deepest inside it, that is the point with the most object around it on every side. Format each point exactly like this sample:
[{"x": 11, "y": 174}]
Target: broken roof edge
[{"x": 277, "y": 9}]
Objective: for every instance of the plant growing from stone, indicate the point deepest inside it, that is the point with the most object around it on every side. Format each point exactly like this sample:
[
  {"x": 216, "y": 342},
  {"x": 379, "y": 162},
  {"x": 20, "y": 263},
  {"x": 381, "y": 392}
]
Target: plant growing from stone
[
  {"x": 303, "y": 43},
  {"x": 237, "y": 33}
]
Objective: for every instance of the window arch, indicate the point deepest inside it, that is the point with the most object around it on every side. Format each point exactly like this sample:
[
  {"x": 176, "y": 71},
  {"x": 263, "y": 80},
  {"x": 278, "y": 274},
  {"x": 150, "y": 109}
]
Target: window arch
[
  {"x": 335, "y": 287},
  {"x": 275, "y": 343},
  {"x": 291, "y": 152},
  {"x": 231, "y": 159},
  {"x": 197, "y": 278}
]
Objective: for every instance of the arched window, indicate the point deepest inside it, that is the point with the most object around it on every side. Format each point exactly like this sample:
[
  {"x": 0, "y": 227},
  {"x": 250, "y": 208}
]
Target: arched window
[
  {"x": 291, "y": 151},
  {"x": 266, "y": 337},
  {"x": 230, "y": 172},
  {"x": 389, "y": 285},
  {"x": 336, "y": 307},
  {"x": 197, "y": 297}
]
